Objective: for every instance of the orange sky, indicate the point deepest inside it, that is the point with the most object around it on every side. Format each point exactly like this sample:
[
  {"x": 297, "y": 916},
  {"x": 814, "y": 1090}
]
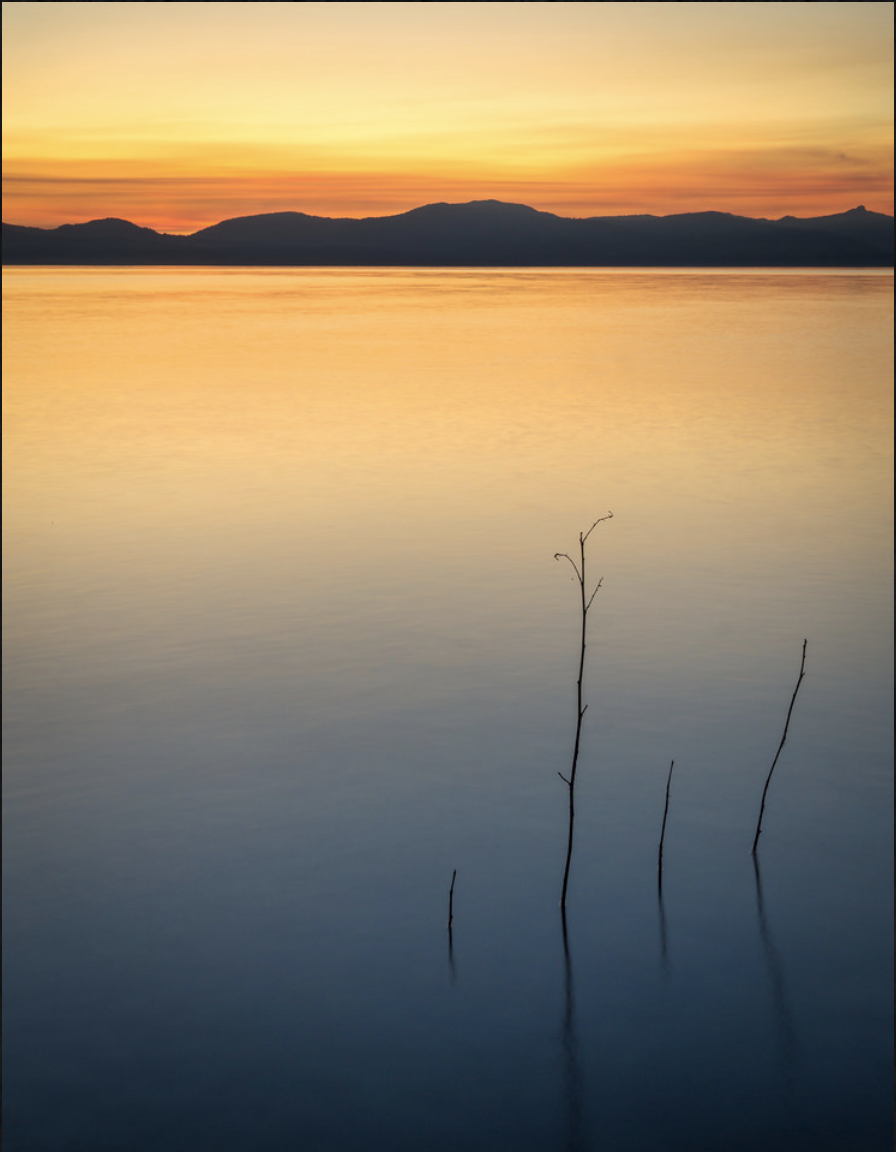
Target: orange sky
[{"x": 176, "y": 116}]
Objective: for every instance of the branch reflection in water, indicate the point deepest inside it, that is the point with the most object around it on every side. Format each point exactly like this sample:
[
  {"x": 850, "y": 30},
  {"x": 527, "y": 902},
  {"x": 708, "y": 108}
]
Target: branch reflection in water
[
  {"x": 452, "y": 966},
  {"x": 572, "y": 1070},
  {"x": 785, "y": 1034},
  {"x": 664, "y": 944}
]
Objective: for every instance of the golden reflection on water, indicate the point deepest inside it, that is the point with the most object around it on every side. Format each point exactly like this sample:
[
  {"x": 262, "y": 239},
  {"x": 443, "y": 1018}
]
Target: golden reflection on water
[
  {"x": 191, "y": 396},
  {"x": 398, "y": 406}
]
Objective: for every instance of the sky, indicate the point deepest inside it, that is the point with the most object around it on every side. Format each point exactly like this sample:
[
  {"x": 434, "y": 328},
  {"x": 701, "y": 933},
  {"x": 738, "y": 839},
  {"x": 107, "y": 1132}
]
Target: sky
[{"x": 176, "y": 116}]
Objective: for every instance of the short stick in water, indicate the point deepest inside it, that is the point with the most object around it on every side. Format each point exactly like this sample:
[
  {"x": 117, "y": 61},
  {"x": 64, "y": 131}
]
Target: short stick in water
[
  {"x": 663, "y": 830},
  {"x": 780, "y": 746},
  {"x": 451, "y": 900}
]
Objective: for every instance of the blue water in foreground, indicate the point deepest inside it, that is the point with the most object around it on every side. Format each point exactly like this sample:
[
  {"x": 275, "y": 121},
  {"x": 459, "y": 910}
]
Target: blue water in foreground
[{"x": 285, "y": 644}]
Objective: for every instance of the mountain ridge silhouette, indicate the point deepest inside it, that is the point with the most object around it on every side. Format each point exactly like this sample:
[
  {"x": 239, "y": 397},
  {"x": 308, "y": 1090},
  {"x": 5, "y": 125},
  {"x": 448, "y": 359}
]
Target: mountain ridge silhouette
[{"x": 479, "y": 233}]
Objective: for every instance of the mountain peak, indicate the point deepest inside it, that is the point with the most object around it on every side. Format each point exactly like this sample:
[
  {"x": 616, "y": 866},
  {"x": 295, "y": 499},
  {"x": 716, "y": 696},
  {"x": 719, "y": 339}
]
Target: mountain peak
[{"x": 110, "y": 226}]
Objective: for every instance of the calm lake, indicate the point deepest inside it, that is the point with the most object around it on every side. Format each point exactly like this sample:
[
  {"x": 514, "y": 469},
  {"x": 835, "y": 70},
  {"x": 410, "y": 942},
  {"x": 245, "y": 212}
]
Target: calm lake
[{"x": 285, "y": 644}]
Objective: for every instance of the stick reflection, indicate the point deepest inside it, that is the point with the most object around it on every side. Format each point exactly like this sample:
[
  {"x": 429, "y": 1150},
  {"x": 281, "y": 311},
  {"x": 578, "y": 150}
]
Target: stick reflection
[
  {"x": 572, "y": 1071},
  {"x": 664, "y": 943},
  {"x": 784, "y": 1030},
  {"x": 452, "y": 967}
]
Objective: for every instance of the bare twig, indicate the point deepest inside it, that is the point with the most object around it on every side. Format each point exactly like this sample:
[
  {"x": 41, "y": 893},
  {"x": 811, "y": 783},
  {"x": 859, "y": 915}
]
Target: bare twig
[
  {"x": 586, "y": 602},
  {"x": 780, "y": 746},
  {"x": 451, "y": 900},
  {"x": 594, "y": 593}
]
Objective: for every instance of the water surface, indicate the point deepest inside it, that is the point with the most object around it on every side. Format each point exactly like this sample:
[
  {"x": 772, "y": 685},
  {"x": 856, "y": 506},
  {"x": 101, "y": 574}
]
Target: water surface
[{"x": 285, "y": 644}]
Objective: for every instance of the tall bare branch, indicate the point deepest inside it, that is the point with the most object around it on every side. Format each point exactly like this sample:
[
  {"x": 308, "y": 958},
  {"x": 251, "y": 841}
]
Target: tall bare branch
[{"x": 586, "y": 602}]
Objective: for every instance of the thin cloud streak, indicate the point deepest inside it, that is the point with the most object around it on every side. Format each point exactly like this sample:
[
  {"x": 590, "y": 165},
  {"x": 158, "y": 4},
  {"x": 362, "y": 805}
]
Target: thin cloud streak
[{"x": 188, "y": 202}]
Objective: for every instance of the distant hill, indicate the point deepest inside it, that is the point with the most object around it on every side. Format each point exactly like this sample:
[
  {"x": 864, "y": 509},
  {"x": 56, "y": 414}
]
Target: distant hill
[{"x": 483, "y": 233}]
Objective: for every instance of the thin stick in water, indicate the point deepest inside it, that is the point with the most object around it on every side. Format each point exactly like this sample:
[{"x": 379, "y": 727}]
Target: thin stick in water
[
  {"x": 451, "y": 900},
  {"x": 780, "y": 746},
  {"x": 663, "y": 831}
]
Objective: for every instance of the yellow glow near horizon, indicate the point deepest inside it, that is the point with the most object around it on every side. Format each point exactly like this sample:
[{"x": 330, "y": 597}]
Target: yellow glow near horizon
[{"x": 179, "y": 115}]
